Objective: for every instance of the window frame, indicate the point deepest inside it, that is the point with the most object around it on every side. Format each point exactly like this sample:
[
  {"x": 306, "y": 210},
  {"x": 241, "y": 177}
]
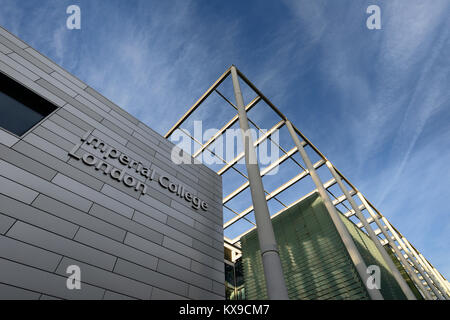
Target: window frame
[{"x": 31, "y": 96}]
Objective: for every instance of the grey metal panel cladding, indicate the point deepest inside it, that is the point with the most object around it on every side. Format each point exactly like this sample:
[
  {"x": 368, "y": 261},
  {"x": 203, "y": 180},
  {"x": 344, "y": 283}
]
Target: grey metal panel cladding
[
  {"x": 7, "y": 138},
  {"x": 117, "y": 249},
  {"x": 46, "y": 297},
  {"x": 109, "y": 295},
  {"x": 23, "y": 161},
  {"x": 4, "y": 33},
  {"x": 184, "y": 275},
  {"x": 78, "y": 217},
  {"x": 69, "y": 126},
  {"x": 46, "y": 146},
  {"x": 157, "y": 250},
  {"x": 13, "y": 293},
  {"x": 151, "y": 277},
  {"x": 29, "y": 74},
  {"x": 56, "y": 211},
  {"x": 52, "y": 242},
  {"x": 213, "y": 273},
  {"x": 186, "y": 229},
  {"x": 18, "y": 210},
  {"x": 5, "y": 49},
  {"x": 73, "y": 119},
  {"x": 197, "y": 293},
  {"x": 16, "y": 191},
  {"x": 150, "y": 223},
  {"x": 141, "y": 229},
  {"x": 5, "y": 223},
  {"x": 159, "y": 294},
  {"x": 98, "y": 277},
  {"x": 23, "y": 276},
  {"x": 12, "y": 46}
]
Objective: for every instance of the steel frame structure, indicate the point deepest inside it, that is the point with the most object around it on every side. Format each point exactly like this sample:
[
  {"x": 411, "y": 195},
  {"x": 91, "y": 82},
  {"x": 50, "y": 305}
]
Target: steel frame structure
[{"x": 431, "y": 284}]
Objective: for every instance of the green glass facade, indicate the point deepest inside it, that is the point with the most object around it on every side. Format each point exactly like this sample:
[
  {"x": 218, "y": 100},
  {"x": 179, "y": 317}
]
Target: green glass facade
[
  {"x": 315, "y": 262},
  {"x": 404, "y": 274}
]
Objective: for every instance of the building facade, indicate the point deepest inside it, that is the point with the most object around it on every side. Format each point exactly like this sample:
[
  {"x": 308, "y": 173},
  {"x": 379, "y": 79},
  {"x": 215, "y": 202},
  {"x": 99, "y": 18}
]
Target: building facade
[
  {"x": 89, "y": 193},
  {"x": 92, "y": 206}
]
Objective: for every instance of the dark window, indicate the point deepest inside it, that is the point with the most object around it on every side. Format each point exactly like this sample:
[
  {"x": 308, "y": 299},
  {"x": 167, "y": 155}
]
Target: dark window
[{"x": 20, "y": 108}]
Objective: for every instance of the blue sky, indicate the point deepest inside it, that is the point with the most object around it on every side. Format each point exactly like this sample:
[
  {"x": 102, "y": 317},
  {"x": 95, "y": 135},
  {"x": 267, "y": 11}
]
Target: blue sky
[{"x": 375, "y": 102}]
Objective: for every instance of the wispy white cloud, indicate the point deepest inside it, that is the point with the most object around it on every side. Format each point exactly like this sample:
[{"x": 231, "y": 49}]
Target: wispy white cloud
[
  {"x": 385, "y": 106},
  {"x": 411, "y": 30}
]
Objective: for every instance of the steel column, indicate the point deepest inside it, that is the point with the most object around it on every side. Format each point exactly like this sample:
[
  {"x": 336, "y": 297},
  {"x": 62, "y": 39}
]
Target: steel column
[
  {"x": 359, "y": 263},
  {"x": 273, "y": 272},
  {"x": 198, "y": 103},
  {"x": 398, "y": 277},
  {"x": 408, "y": 268},
  {"x": 430, "y": 274},
  {"x": 415, "y": 264},
  {"x": 440, "y": 276},
  {"x": 274, "y": 193},
  {"x": 436, "y": 273},
  {"x": 326, "y": 185}
]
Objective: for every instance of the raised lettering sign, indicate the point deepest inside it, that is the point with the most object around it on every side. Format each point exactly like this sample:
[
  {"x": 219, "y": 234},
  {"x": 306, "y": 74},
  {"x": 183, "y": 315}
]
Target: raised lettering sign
[{"x": 119, "y": 174}]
